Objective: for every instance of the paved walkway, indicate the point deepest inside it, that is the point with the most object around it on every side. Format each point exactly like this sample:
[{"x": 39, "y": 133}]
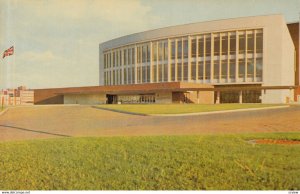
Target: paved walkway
[{"x": 74, "y": 121}]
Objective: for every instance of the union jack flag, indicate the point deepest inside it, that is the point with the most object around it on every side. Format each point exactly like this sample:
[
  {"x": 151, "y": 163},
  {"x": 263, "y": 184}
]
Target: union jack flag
[{"x": 8, "y": 52}]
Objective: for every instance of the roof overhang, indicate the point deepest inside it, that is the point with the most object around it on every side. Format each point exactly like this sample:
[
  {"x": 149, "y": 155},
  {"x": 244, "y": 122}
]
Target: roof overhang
[{"x": 151, "y": 88}]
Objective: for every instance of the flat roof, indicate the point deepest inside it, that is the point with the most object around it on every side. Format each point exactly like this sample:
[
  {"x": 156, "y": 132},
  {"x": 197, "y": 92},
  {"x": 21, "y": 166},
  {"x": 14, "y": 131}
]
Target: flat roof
[{"x": 148, "y": 88}]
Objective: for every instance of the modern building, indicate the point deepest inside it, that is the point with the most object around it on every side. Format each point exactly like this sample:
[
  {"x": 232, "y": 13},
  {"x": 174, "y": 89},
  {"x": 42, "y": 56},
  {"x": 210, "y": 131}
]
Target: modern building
[{"x": 240, "y": 60}]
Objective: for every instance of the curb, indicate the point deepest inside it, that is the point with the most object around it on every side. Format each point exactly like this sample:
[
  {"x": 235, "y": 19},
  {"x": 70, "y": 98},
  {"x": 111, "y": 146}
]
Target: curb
[
  {"x": 4, "y": 111},
  {"x": 192, "y": 114},
  {"x": 121, "y": 111},
  {"x": 219, "y": 112}
]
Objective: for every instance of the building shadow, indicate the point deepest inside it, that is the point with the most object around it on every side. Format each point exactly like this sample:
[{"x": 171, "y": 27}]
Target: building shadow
[{"x": 35, "y": 131}]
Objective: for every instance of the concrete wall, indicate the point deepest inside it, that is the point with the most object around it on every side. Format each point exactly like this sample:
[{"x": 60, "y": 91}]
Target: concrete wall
[
  {"x": 278, "y": 61},
  {"x": 206, "y": 97},
  {"x": 277, "y": 96},
  {"x": 163, "y": 98},
  {"x": 294, "y": 32},
  {"x": 90, "y": 99}
]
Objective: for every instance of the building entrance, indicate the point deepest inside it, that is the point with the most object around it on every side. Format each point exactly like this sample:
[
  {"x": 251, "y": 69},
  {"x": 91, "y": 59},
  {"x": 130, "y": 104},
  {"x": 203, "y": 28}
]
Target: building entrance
[
  {"x": 111, "y": 99},
  {"x": 137, "y": 99}
]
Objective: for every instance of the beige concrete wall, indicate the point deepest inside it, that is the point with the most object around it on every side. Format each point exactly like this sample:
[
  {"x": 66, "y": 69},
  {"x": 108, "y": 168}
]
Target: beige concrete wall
[
  {"x": 278, "y": 61},
  {"x": 163, "y": 98},
  {"x": 206, "y": 97},
  {"x": 84, "y": 99}
]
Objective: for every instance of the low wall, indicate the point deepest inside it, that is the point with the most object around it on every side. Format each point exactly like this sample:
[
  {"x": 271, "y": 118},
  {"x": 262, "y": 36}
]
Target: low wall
[
  {"x": 163, "y": 98},
  {"x": 91, "y": 99}
]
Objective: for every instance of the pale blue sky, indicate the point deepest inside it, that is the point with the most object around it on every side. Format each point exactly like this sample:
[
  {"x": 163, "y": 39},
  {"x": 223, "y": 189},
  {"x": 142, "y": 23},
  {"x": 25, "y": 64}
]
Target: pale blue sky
[{"x": 57, "y": 41}]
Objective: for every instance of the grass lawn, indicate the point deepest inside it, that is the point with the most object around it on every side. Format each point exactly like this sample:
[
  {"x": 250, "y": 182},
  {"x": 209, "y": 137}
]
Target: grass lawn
[
  {"x": 2, "y": 108},
  {"x": 178, "y": 108},
  {"x": 157, "y": 162}
]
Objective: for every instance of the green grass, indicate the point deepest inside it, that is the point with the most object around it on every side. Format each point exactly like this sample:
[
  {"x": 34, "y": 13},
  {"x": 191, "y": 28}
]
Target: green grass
[
  {"x": 2, "y": 108},
  {"x": 178, "y": 108},
  {"x": 160, "y": 162}
]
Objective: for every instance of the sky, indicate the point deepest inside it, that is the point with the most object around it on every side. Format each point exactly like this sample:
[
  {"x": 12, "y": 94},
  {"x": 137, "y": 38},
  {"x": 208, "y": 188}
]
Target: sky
[{"x": 56, "y": 42}]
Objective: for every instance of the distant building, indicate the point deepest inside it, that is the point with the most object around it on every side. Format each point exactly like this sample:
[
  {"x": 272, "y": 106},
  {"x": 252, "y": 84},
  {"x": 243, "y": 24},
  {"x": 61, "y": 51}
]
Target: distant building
[
  {"x": 19, "y": 96},
  {"x": 239, "y": 60}
]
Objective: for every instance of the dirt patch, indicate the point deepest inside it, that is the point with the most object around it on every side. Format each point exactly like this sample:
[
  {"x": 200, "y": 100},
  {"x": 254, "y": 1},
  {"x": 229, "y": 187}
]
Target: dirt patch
[{"x": 275, "y": 141}]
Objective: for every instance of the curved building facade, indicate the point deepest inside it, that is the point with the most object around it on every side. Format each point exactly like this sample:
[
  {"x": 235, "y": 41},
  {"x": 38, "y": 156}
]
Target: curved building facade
[
  {"x": 252, "y": 51},
  {"x": 214, "y": 58}
]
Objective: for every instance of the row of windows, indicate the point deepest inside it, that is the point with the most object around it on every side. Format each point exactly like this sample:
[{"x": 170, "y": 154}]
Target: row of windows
[
  {"x": 219, "y": 71},
  {"x": 236, "y": 50}
]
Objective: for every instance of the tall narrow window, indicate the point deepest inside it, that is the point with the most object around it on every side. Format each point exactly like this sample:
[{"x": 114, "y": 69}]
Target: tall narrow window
[
  {"x": 165, "y": 72},
  {"x": 154, "y": 73},
  {"x": 117, "y": 76},
  {"x": 224, "y": 70},
  {"x": 148, "y": 74},
  {"x": 160, "y": 51},
  {"x": 179, "y": 72},
  {"x": 109, "y": 63},
  {"x": 138, "y": 74},
  {"x": 160, "y": 71},
  {"x": 207, "y": 70},
  {"x": 125, "y": 56},
  {"x": 193, "y": 70},
  {"x": 144, "y": 54},
  {"x": 216, "y": 69},
  {"x": 250, "y": 43},
  {"x": 129, "y": 75},
  {"x": 216, "y": 45},
  {"x": 117, "y": 60},
  {"x": 224, "y": 44},
  {"x": 113, "y": 77},
  {"x": 241, "y": 68},
  {"x": 185, "y": 48},
  {"x": 232, "y": 69},
  {"x": 200, "y": 70},
  {"x": 138, "y": 54},
  {"x": 104, "y": 61},
  {"x": 120, "y": 58},
  {"x": 193, "y": 47},
  {"x": 201, "y": 46},
  {"x": 133, "y": 55},
  {"x": 154, "y": 51},
  {"x": 207, "y": 46},
  {"x": 133, "y": 75},
  {"x": 250, "y": 68},
  {"x": 148, "y": 53},
  {"x": 259, "y": 69},
  {"x": 172, "y": 72},
  {"x": 185, "y": 71},
  {"x": 166, "y": 51},
  {"x": 242, "y": 43},
  {"x": 173, "y": 50},
  {"x": 144, "y": 74},
  {"x": 232, "y": 44},
  {"x": 114, "y": 57},
  {"x": 125, "y": 75},
  {"x": 179, "y": 49},
  {"x": 259, "y": 42}
]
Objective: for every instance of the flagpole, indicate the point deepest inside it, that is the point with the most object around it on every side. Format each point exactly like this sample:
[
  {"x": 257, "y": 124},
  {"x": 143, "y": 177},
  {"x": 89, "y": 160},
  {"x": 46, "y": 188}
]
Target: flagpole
[{"x": 14, "y": 66}]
